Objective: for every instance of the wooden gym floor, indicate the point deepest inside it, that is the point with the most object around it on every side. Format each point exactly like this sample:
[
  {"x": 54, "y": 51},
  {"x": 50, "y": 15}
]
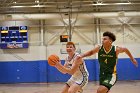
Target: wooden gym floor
[{"x": 120, "y": 87}]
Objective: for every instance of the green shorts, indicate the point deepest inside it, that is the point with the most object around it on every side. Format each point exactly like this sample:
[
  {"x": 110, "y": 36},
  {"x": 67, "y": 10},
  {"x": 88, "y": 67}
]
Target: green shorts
[{"x": 108, "y": 80}]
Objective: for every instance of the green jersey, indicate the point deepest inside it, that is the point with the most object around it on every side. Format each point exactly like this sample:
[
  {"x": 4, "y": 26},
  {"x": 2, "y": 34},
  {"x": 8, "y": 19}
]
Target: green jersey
[{"x": 107, "y": 60}]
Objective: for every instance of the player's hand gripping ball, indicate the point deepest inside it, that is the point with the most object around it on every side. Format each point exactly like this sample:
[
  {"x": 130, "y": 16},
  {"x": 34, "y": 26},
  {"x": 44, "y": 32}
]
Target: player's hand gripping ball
[{"x": 53, "y": 59}]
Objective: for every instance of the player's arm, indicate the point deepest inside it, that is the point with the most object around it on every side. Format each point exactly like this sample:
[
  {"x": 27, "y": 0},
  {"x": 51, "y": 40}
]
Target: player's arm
[
  {"x": 125, "y": 50},
  {"x": 75, "y": 66},
  {"x": 66, "y": 63},
  {"x": 60, "y": 67},
  {"x": 70, "y": 71},
  {"x": 91, "y": 52}
]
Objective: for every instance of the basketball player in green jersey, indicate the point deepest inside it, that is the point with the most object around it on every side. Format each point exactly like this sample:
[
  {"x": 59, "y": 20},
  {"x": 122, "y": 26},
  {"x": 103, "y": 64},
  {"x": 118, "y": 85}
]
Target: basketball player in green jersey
[{"x": 107, "y": 57}]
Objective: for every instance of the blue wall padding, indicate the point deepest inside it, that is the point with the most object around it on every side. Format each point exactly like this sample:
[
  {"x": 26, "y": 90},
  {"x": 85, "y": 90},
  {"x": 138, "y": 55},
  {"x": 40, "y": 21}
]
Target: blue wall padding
[
  {"x": 93, "y": 69},
  {"x": 40, "y": 71},
  {"x": 55, "y": 76},
  {"x": 23, "y": 71},
  {"x": 127, "y": 70}
]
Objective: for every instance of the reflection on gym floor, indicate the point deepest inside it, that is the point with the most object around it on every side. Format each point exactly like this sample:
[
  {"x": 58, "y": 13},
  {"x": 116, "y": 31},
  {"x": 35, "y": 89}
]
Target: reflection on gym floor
[{"x": 120, "y": 87}]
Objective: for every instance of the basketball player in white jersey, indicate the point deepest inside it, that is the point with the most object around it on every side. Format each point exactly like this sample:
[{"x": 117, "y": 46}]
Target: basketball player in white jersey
[{"x": 75, "y": 67}]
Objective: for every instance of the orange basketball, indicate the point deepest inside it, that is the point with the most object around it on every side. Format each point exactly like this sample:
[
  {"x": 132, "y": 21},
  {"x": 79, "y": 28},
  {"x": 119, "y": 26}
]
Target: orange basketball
[{"x": 52, "y": 58}]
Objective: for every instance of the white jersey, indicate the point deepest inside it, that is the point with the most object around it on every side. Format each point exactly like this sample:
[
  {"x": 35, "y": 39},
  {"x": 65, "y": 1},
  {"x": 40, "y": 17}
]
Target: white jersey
[{"x": 81, "y": 75}]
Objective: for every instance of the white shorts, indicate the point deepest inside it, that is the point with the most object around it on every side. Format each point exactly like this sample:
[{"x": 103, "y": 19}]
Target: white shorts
[{"x": 82, "y": 82}]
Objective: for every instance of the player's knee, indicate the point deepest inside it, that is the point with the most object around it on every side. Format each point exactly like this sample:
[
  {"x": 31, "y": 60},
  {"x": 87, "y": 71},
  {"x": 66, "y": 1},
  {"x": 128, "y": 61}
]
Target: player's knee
[
  {"x": 63, "y": 92},
  {"x": 80, "y": 91},
  {"x": 70, "y": 91},
  {"x": 100, "y": 90}
]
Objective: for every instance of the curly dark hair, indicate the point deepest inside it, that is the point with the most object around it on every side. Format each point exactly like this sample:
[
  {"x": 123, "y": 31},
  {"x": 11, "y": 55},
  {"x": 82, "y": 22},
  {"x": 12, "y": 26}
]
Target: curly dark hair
[{"x": 110, "y": 35}]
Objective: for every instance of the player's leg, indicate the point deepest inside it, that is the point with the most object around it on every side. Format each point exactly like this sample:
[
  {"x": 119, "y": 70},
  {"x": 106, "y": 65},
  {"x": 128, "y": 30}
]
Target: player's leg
[
  {"x": 106, "y": 83},
  {"x": 80, "y": 91},
  {"x": 102, "y": 89},
  {"x": 65, "y": 89},
  {"x": 67, "y": 86},
  {"x": 74, "y": 88}
]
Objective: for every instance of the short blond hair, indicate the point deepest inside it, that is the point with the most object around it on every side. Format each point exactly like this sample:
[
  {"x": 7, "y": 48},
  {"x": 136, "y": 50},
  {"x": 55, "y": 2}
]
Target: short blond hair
[{"x": 71, "y": 43}]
